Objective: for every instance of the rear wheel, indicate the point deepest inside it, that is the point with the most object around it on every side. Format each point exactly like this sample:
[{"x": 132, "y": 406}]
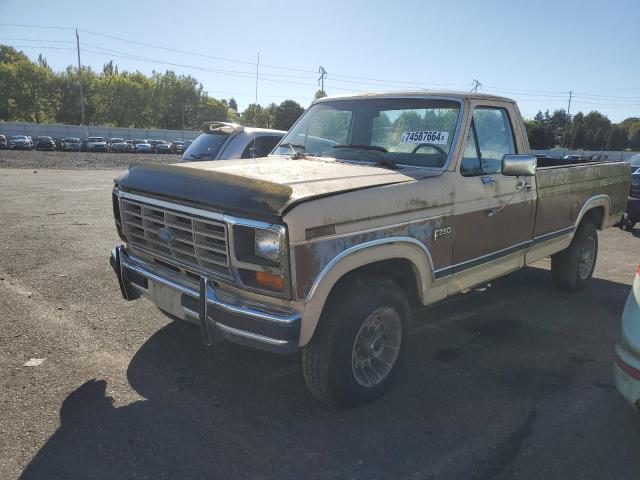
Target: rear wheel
[
  {"x": 572, "y": 268},
  {"x": 356, "y": 350}
]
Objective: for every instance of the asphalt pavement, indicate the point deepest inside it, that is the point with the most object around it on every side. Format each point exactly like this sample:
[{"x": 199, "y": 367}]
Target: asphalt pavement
[{"x": 514, "y": 381}]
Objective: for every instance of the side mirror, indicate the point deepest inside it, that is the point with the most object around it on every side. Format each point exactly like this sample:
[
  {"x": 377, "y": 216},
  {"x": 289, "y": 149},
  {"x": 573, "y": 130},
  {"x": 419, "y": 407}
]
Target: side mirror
[{"x": 519, "y": 165}]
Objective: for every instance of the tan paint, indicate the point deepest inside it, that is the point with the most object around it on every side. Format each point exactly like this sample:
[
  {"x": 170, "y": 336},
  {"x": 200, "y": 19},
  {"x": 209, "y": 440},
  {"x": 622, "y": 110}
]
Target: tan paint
[
  {"x": 432, "y": 290},
  {"x": 437, "y": 220},
  {"x": 415, "y": 208}
]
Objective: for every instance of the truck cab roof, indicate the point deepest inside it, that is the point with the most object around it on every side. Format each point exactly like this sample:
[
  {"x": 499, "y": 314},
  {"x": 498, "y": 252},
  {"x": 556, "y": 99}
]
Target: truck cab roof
[{"x": 451, "y": 94}]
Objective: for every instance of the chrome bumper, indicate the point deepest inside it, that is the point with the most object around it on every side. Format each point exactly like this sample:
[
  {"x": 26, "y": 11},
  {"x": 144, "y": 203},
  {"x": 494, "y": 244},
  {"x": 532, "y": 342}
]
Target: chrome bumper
[{"x": 219, "y": 314}]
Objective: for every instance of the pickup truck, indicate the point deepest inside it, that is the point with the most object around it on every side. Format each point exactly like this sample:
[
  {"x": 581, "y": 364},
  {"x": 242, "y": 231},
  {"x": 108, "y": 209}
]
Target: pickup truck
[{"x": 371, "y": 204}]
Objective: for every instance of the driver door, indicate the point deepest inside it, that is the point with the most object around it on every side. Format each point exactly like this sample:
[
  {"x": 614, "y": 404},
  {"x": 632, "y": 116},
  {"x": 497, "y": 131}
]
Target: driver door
[{"x": 489, "y": 243}]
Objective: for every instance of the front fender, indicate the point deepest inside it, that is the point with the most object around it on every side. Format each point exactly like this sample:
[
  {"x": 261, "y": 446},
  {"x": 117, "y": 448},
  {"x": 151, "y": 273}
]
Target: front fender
[{"x": 366, "y": 254}]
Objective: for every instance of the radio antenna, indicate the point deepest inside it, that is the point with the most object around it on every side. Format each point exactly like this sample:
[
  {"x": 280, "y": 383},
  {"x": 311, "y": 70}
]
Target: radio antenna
[{"x": 255, "y": 109}]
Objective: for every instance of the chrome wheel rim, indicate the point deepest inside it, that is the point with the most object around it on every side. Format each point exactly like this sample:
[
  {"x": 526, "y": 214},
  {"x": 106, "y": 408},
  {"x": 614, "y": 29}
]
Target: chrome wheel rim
[
  {"x": 376, "y": 347},
  {"x": 586, "y": 257}
]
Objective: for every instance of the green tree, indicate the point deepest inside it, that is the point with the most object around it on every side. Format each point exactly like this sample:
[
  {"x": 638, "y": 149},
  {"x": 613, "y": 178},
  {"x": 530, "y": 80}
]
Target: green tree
[
  {"x": 286, "y": 114},
  {"x": 536, "y": 134},
  {"x": 255, "y": 116},
  {"x": 617, "y": 138},
  {"x": 319, "y": 94},
  {"x": 634, "y": 137},
  {"x": 233, "y": 105},
  {"x": 597, "y": 128}
]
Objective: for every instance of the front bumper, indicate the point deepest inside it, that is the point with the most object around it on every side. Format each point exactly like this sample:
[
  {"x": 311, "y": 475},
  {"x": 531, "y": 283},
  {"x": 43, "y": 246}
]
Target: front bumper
[
  {"x": 627, "y": 372},
  {"x": 220, "y": 314}
]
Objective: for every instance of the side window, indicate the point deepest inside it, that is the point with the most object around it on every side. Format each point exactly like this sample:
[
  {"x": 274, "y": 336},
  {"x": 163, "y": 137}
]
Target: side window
[
  {"x": 470, "y": 165},
  {"x": 262, "y": 145},
  {"x": 494, "y": 137}
]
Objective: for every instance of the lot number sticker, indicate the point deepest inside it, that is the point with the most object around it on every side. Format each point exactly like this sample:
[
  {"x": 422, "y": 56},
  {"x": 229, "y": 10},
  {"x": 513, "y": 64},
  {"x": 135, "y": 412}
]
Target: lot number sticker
[{"x": 425, "y": 136}]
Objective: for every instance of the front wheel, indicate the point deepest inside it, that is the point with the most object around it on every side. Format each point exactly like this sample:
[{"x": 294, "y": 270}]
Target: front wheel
[
  {"x": 573, "y": 267},
  {"x": 357, "y": 347}
]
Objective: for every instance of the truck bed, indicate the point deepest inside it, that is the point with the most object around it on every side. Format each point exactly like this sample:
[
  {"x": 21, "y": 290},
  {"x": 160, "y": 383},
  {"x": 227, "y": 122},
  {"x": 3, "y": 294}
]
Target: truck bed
[{"x": 564, "y": 189}]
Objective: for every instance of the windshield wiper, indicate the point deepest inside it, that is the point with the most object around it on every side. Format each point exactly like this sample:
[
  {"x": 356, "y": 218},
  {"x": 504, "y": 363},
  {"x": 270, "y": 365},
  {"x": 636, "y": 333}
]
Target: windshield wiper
[
  {"x": 295, "y": 154},
  {"x": 385, "y": 163},
  {"x": 361, "y": 147},
  {"x": 202, "y": 156}
]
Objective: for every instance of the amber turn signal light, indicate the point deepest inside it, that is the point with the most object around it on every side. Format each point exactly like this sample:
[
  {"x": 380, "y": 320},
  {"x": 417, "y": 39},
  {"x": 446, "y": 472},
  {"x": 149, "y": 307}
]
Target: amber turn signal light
[{"x": 270, "y": 280}]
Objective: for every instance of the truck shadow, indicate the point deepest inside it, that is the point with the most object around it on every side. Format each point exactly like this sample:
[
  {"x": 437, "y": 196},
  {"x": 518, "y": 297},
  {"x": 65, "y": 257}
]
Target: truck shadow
[{"x": 229, "y": 412}]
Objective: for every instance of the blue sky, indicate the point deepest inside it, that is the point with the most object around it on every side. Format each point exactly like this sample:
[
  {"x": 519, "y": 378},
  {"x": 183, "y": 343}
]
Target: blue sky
[{"x": 534, "y": 52}]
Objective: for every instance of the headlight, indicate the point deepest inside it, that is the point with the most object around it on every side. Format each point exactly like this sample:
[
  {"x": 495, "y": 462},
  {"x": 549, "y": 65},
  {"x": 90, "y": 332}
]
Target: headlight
[{"x": 268, "y": 245}]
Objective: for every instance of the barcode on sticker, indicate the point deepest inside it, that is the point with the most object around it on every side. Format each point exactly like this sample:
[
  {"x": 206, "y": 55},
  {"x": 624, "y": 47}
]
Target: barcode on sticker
[{"x": 425, "y": 136}]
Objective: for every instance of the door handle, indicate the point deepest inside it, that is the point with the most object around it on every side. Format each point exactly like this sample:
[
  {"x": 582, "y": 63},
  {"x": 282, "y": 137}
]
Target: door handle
[{"x": 521, "y": 185}]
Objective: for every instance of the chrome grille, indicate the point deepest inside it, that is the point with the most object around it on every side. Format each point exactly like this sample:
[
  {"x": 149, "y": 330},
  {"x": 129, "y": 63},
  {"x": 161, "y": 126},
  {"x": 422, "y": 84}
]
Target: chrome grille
[{"x": 196, "y": 242}]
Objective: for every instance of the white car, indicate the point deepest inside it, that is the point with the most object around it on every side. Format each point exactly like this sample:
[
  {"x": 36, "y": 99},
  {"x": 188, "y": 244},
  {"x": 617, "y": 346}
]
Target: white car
[
  {"x": 627, "y": 366},
  {"x": 225, "y": 141}
]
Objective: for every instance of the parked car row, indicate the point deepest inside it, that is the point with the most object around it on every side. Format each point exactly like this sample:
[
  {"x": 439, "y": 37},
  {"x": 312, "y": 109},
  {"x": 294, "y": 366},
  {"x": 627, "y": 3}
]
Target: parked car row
[{"x": 91, "y": 144}]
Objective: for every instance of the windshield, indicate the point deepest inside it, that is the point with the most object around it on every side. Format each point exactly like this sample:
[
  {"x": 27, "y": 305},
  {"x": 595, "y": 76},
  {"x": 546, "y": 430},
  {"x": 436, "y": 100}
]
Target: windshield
[
  {"x": 406, "y": 131},
  {"x": 635, "y": 161},
  {"x": 205, "y": 147},
  {"x": 96, "y": 139},
  {"x": 72, "y": 140}
]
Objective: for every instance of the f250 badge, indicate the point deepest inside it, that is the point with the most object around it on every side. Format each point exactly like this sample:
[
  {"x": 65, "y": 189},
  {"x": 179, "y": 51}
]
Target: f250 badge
[{"x": 442, "y": 232}]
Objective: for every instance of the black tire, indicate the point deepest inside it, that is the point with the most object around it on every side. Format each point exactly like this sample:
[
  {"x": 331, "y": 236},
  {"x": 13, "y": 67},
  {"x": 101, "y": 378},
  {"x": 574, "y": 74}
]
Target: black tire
[
  {"x": 570, "y": 271},
  {"x": 327, "y": 360}
]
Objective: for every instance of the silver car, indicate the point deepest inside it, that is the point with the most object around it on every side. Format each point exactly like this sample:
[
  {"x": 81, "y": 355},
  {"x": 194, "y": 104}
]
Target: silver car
[
  {"x": 142, "y": 148},
  {"x": 224, "y": 141},
  {"x": 19, "y": 142},
  {"x": 627, "y": 365}
]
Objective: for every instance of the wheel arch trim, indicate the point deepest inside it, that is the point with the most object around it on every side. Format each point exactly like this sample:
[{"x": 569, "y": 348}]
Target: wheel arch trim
[
  {"x": 366, "y": 245},
  {"x": 602, "y": 200},
  {"x": 401, "y": 248}
]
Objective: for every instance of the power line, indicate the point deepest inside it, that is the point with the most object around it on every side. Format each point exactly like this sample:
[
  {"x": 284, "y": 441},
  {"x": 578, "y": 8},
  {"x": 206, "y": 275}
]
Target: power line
[
  {"x": 492, "y": 87},
  {"x": 35, "y": 26},
  {"x": 43, "y": 47},
  {"x": 80, "y": 80},
  {"x": 380, "y": 82},
  {"x": 34, "y": 40},
  {"x": 185, "y": 52},
  {"x": 334, "y": 78}
]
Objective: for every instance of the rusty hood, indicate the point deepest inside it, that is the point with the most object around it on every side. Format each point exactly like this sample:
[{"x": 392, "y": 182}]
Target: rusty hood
[{"x": 265, "y": 187}]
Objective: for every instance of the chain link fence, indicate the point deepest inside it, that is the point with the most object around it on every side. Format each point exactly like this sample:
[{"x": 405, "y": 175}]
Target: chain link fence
[{"x": 84, "y": 131}]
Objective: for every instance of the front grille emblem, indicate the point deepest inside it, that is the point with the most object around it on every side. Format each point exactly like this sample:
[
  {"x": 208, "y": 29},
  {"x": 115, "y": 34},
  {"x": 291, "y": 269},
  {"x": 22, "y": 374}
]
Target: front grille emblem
[{"x": 166, "y": 235}]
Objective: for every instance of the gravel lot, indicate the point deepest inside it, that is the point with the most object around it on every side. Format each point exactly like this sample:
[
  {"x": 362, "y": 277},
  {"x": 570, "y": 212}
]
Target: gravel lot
[
  {"x": 511, "y": 382},
  {"x": 78, "y": 160}
]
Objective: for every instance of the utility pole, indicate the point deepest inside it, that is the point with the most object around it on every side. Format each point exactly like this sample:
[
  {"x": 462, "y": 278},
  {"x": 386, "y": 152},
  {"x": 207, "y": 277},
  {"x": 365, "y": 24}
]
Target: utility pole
[
  {"x": 255, "y": 109},
  {"x": 476, "y": 85},
  {"x": 184, "y": 106},
  {"x": 568, "y": 123},
  {"x": 323, "y": 73},
  {"x": 80, "y": 80}
]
